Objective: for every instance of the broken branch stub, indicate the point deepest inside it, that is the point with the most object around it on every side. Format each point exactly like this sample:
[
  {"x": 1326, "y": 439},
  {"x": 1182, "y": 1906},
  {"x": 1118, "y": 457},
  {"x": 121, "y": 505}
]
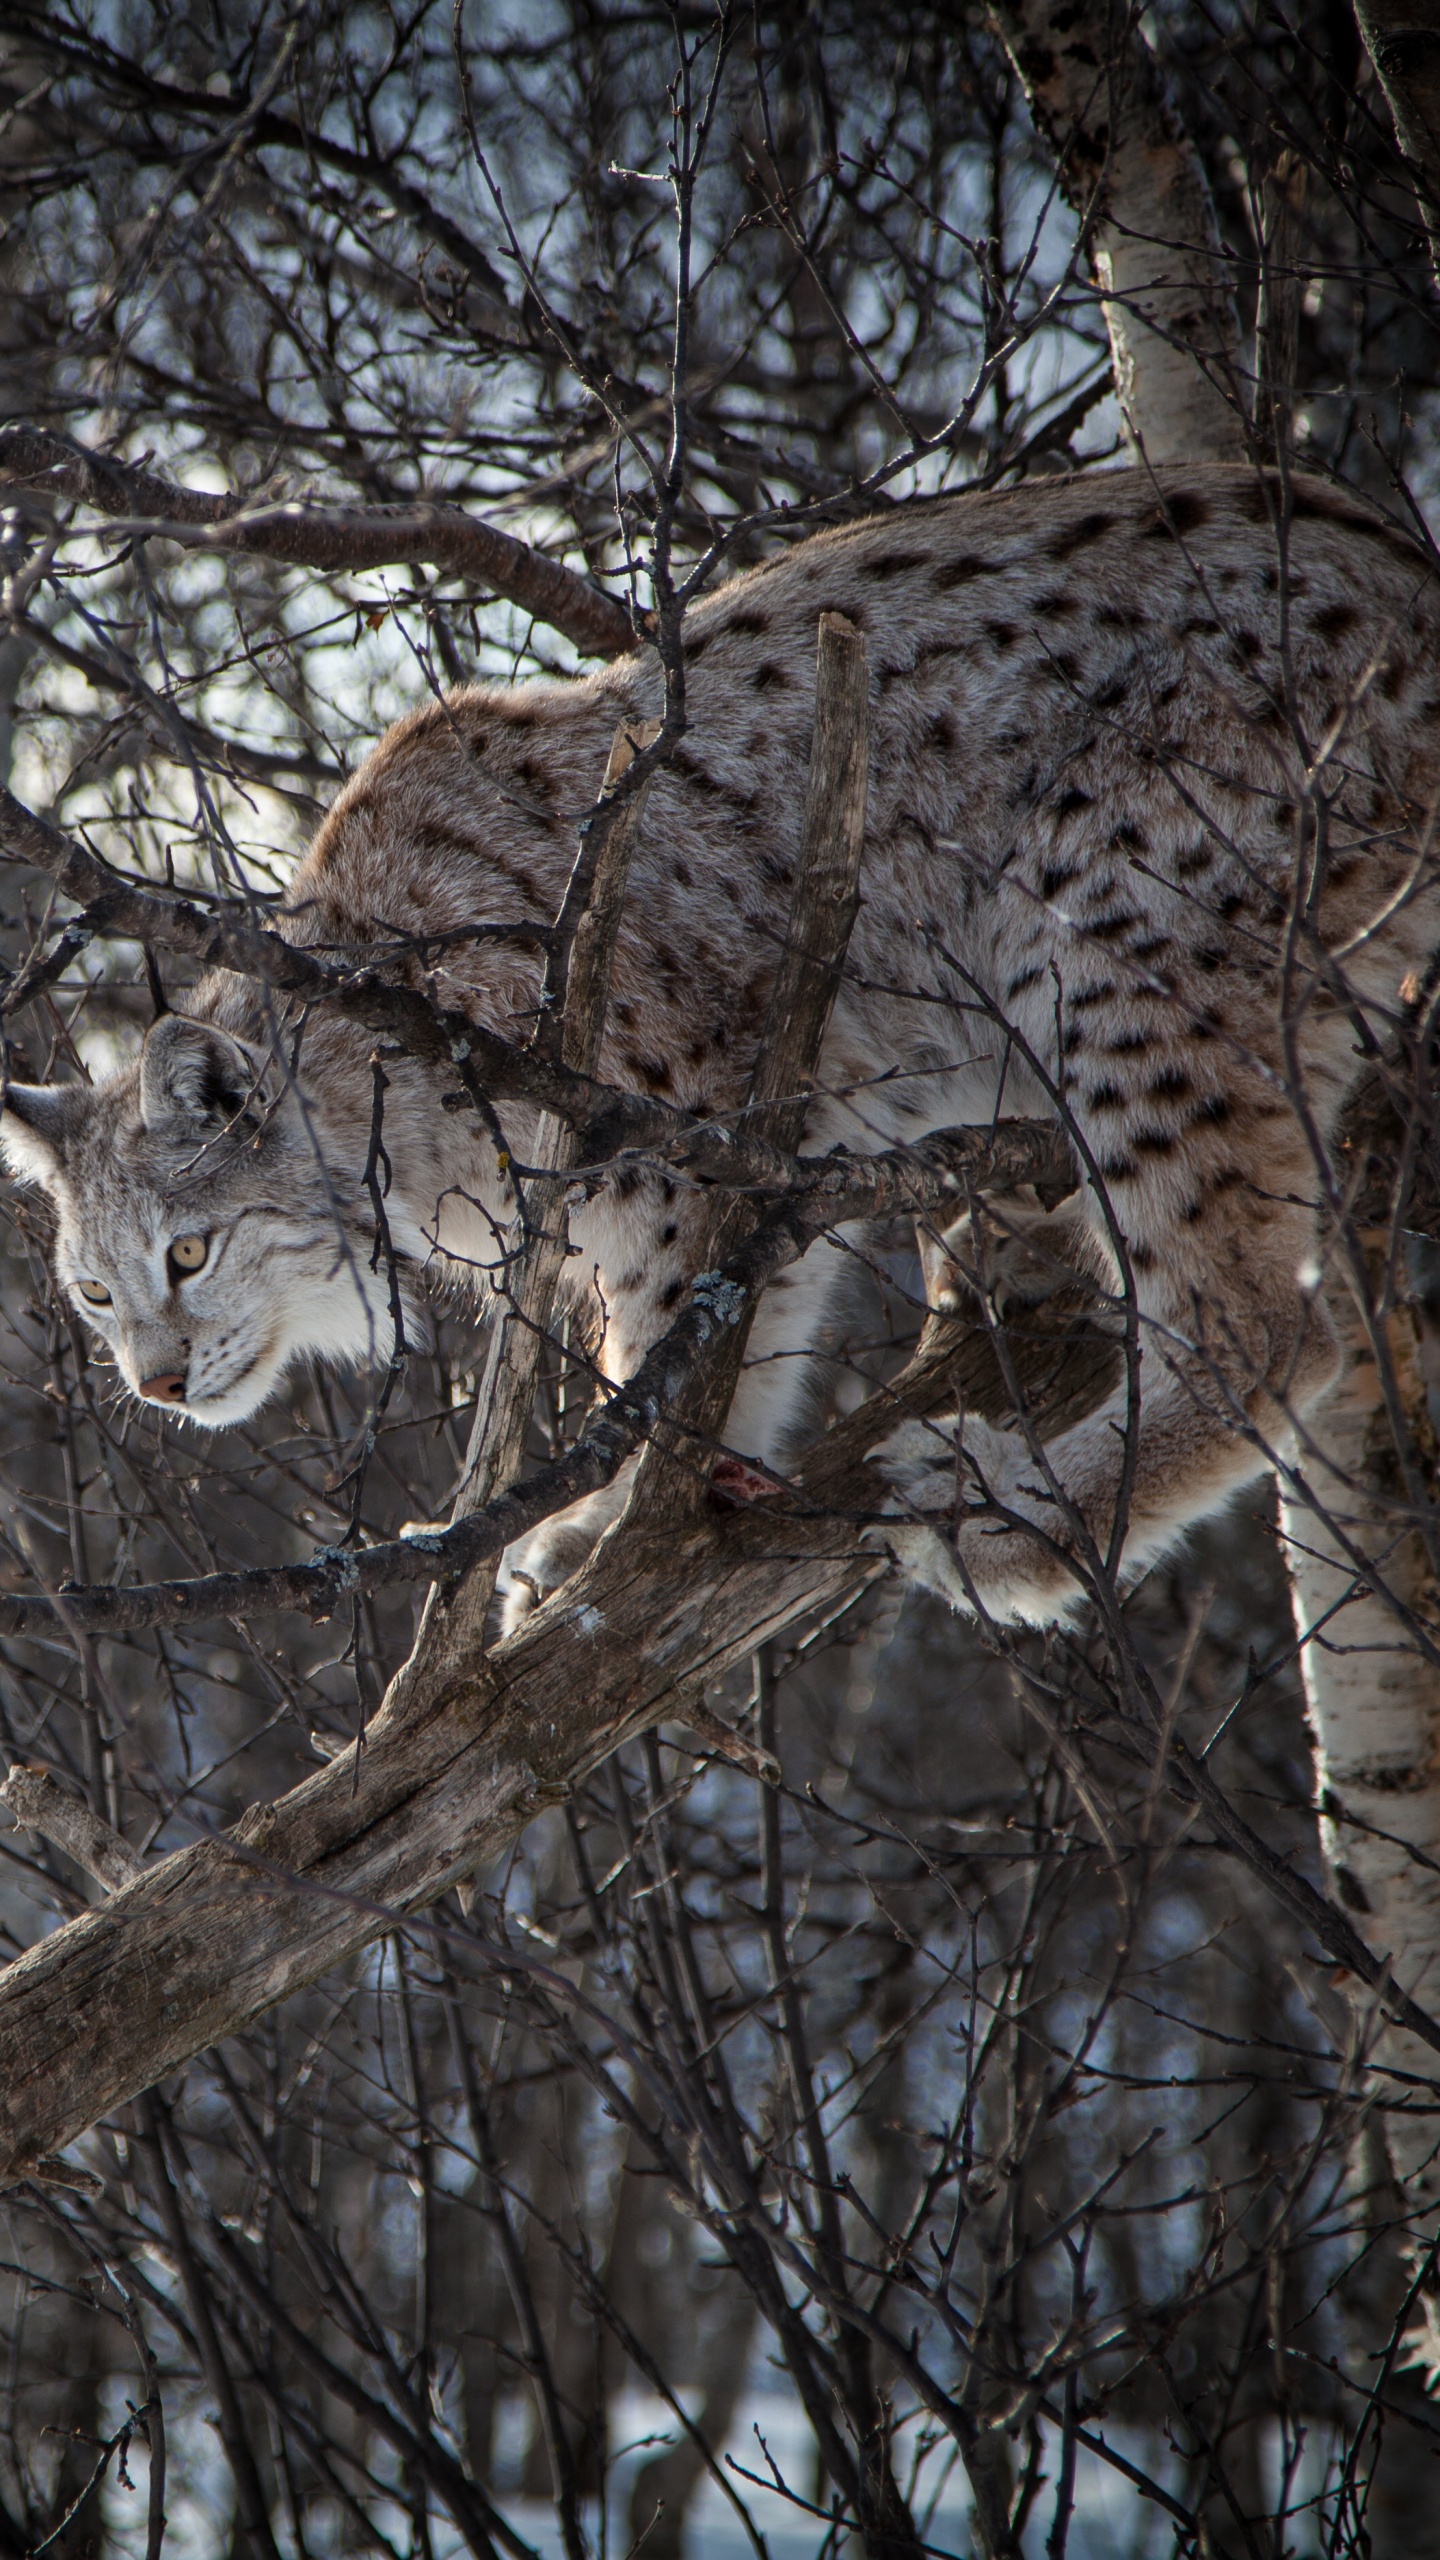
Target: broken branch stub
[
  {"x": 823, "y": 906},
  {"x": 570, "y": 1028},
  {"x": 41, "y": 1804}
]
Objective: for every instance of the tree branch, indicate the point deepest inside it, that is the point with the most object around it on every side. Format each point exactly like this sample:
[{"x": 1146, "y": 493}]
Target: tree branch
[
  {"x": 608, "y": 1120},
  {"x": 314, "y": 534}
]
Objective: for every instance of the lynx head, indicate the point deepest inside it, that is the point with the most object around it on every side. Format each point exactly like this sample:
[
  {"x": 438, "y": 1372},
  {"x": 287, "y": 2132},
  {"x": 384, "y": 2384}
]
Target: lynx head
[{"x": 197, "y": 1228}]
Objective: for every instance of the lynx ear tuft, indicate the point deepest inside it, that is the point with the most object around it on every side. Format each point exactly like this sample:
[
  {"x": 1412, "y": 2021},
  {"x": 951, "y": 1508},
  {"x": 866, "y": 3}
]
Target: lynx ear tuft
[
  {"x": 190, "y": 1071},
  {"x": 36, "y": 1126}
]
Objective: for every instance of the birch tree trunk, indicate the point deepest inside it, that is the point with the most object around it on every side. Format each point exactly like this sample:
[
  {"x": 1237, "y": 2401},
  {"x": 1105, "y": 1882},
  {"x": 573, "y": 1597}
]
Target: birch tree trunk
[
  {"x": 1374, "y": 1703},
  {"x": 1132, "y": 174}
]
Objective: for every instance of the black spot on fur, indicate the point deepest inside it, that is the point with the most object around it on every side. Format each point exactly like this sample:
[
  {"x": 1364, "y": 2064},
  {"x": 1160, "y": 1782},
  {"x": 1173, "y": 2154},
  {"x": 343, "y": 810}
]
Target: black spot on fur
[
  {"x": 1154, "y": 1142},
  {"x": 1071, "y": 800},
  {"x": 1334, "y": 620},
  {"x": 957, "y": 573},
  {"x": 685, "y": 764},
  {"x": 651, "y": 1072},
  {"x": 1086, "y": 528},
  {"x": 676, "y": 1289},
  {"x": 1171, "y": 1081},
  {"x": 1003, "y": 634},
  {"x": 1027, "y": 978},
  {"x": 891, "y": 564},
  {"x": 1055, "y": 604},
  {"x": 749, "y": 621},
  {"x": 1108, "y": 1097},
  {"x": 941, "y": 732},
  {"x": 768, "y": 678},
  {"x": 1055, "y": 877},
  {"x": 1183, "y": 512}
]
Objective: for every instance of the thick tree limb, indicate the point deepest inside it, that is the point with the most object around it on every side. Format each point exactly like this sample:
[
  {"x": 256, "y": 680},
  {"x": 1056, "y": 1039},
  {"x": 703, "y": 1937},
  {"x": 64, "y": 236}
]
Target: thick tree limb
[
  {"x": 1133, "y": 175},
  {"x": 315, "y": 534},
  {"x": 207, "y": 1939}
]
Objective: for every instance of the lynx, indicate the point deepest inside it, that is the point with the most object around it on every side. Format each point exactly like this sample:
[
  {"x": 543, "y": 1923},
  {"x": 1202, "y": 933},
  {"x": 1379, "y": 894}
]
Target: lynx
[{"x": 1110, "y": 718}]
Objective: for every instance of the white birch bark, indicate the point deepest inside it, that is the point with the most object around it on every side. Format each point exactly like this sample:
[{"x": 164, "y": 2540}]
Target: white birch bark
[
  {"x": 1374, "y": 1702},
  {"x": 1134, "y": 177}
]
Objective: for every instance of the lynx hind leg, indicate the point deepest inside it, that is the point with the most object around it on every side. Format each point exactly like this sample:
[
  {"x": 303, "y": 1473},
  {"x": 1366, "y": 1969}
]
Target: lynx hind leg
[{"x": 1231, "y": 1351}]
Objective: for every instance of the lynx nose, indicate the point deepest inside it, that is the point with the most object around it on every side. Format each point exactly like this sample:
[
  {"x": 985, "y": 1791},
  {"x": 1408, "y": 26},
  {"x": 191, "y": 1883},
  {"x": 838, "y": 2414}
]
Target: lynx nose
[{"x": 167, "y": 1388}]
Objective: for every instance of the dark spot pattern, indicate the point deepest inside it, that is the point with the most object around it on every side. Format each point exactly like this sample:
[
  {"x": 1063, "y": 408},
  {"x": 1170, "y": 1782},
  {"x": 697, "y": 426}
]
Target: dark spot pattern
[{"x": 1074, "y": 537}]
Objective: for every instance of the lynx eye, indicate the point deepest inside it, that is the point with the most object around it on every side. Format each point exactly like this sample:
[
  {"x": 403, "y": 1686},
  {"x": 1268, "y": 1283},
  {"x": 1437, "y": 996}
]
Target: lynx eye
[
  {"x": 187, "y": 1254},
  {"x": 94, "y": 1293}
]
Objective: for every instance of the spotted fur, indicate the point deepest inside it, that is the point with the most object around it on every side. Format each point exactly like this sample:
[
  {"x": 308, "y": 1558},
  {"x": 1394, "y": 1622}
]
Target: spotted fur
[{"x": 1105, "y": 715}]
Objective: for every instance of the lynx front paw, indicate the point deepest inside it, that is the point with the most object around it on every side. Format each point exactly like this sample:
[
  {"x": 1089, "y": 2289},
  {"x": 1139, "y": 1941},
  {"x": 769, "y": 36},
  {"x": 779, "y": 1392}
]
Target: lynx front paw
[{"x": 537, "y": 1565}]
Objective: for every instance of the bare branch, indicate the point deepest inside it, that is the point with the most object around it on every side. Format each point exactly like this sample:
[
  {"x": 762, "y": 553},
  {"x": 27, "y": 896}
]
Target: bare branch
[
  {"x": 315, "y": 534},
  {"x": 37, "y": 1802}
]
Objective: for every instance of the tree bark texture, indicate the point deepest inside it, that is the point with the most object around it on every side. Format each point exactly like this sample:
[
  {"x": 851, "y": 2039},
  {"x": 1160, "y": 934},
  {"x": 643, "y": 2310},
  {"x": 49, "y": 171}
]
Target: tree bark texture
[
  {"x": 1402, "y": 38},
  {"x": 1133, "y": 176},
  {"x": 1374, "y": 1701}
]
